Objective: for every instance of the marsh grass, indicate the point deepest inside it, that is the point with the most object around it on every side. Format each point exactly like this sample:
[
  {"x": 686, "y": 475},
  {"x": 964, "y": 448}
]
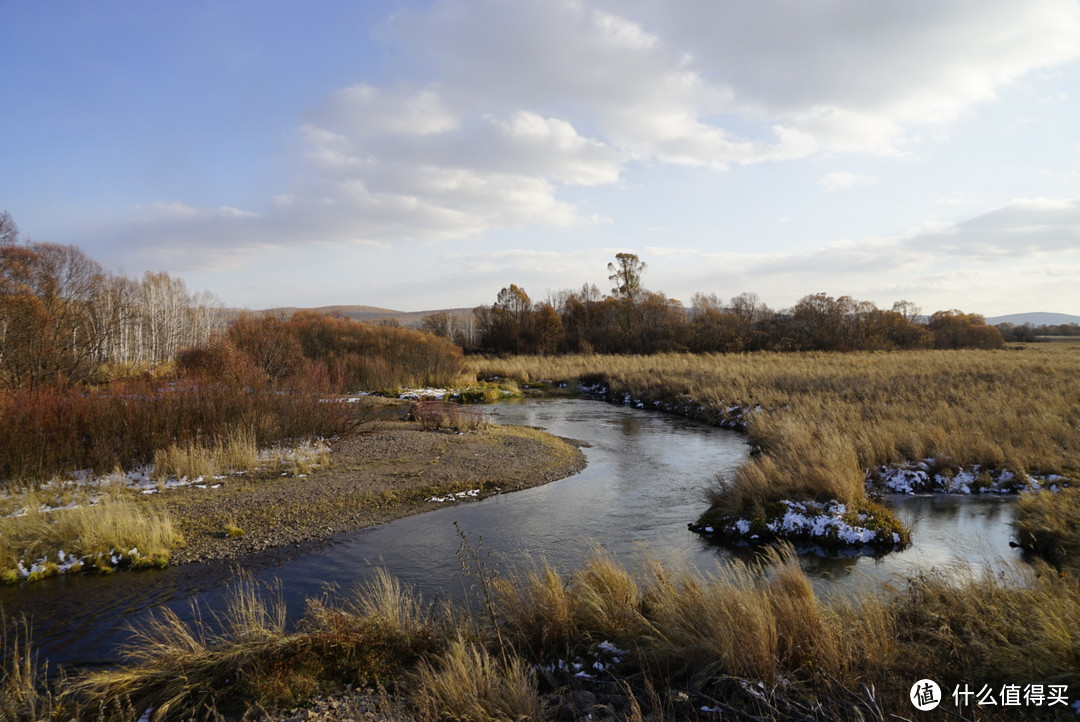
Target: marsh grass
[
  {"x": 115, "y": 525},
  {"x": 820, "y": 419},
  {"x": 1048, "y": 524}
]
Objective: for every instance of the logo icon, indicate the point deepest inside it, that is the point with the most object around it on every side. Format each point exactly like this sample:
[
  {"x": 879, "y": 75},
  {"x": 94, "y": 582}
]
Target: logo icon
[{"x": 925, "y": 695}]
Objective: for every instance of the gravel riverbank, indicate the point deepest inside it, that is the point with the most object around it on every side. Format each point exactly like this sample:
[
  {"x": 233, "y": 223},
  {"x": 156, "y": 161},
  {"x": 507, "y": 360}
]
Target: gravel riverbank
[{"x": 375, "y": 477}]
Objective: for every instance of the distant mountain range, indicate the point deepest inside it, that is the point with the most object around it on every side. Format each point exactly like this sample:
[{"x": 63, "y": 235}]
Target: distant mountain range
[
  {"x": 374, "y": 314},
  {"x": 1038, "y": 318},
  {"x": 367, "y": 314}
]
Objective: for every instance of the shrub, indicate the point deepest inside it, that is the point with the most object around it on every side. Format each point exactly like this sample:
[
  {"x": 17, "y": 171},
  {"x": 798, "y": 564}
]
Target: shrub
[{"x": 51, "y": 431}]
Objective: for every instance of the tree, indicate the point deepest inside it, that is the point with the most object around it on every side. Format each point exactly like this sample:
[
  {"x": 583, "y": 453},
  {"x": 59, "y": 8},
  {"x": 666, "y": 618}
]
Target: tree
[
  {"x": 956, "y": 329},
  {"x": 439, "y": 323},
  {"x": 47, "y": 329},
  {"x": 9, "y": 232},
  {"x": 507, "y": 326},
  {"x": 907, "y": 309},
  {"x": 819, "y": 322},
  {"x": 626, "y": 274}
]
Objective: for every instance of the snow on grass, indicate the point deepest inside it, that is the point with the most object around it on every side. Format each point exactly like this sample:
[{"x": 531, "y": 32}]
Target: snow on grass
[
  {"x": 468, "y": 394},
  {"x": 725, "y": 415},
  {"x": 928, "y": 476},
  {"x": 830, "y": 525}
]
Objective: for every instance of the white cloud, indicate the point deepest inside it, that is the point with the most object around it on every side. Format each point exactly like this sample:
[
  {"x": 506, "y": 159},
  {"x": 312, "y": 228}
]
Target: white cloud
[
  {"x": 842, "y": 180},
  {"x": 512, "y": 106},
  {"x": 363, "y": 110},
  {"x": 956, "y": 199}
]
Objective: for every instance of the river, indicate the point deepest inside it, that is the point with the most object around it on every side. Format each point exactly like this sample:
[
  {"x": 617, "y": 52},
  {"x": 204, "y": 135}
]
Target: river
[{"x": 643, "y": 483}]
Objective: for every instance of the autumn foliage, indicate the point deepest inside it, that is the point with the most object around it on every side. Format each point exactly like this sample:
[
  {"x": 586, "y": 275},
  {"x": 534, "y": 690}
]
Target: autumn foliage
[
  {"x": 312, "y": 351},
  {"x": 633, "y": 319}
]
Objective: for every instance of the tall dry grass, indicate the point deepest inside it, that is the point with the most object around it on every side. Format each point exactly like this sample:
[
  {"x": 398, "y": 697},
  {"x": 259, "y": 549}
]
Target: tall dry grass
[
  {"x": 467, "y": 682},
  {"x": 756, "y": 620},
  {"x": 745, "y": 624},
  {"x": 236, "y": 451},
  {"x": 249, "y": 656},
  {"x": 24, "y": 692},
  {"x": 991, "y": 629},
  {"x": 826, "y": 417},
  {"x": 115, "y": 525},
  {"x": 1049, "y": 525}
]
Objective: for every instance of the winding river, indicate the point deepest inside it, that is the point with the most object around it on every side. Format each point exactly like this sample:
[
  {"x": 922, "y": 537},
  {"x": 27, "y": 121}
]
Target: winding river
[{"x": 643, "y": 483}]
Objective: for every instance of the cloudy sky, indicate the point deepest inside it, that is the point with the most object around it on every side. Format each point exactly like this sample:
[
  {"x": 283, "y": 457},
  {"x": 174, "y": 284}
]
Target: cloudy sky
[{"x": 420, "y": 155}]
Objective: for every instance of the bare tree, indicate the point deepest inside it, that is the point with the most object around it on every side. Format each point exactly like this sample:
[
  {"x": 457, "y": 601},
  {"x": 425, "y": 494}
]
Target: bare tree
[{"x": 9, "y": 232}]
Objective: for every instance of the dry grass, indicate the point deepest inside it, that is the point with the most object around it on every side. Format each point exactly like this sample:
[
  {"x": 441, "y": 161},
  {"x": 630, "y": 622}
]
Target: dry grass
[
  {"x": 235, "y": 451},
  {"x": 92, "y": 532},
  {"x": 442, "y": 415},
  {"x": 762, "y": 621},
  {"x": 708, "y": 635},
  {"x": 826, "y": 417},
  {"x": 1049, "y": 525},
  {"x": 994, "y": 630},
  {"x": 466, "y": 682},
  {"x": 756, "y": 620},
  {"x": 24, "y": 695},
  {"x": 248, "y": 656}
]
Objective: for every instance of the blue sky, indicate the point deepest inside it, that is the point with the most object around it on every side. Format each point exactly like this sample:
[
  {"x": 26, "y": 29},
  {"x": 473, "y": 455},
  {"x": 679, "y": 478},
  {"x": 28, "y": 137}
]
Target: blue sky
[{"x": 420, "y": 155}]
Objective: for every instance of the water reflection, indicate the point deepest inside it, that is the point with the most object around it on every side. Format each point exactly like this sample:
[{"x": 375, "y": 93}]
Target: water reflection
[{"x": 634, "y": 499}]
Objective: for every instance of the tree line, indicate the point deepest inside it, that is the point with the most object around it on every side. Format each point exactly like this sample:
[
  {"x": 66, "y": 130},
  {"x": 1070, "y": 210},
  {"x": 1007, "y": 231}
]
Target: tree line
[
  {"x": 64, "y": 319},
  {"x": 632, "y": 319}
]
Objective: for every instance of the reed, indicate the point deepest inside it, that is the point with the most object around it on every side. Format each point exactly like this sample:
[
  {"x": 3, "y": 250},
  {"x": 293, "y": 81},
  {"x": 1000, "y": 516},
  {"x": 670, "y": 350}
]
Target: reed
[
  {"x": 1048, "y": 524},
  {"x": 822, "y": 419},
  {"x": 754, "y": 630}
]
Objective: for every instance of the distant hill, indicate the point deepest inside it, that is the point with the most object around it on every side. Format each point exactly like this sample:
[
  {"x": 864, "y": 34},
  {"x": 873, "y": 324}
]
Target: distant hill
[
  {"x": 1035, "y": 319},
  {"x": 367, "y": 314}
]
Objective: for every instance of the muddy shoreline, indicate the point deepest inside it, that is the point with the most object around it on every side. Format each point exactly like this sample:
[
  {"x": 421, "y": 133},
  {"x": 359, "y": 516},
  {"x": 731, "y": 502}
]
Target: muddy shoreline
[{"x": 376, "y": 476}]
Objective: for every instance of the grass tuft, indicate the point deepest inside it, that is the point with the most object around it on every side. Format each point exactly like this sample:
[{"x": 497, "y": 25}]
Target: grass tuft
[{"x": 467, "y": 683}]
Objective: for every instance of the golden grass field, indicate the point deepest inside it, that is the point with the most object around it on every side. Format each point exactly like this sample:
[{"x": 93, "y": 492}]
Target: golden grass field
[
  {"x": 823, "y": 420},
  {"x": 827, "y": 417}
]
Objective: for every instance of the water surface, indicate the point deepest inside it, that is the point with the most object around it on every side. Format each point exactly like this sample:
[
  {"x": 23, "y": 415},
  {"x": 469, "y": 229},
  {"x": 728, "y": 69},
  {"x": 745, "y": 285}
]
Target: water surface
[{"x": 642, "y": 485}]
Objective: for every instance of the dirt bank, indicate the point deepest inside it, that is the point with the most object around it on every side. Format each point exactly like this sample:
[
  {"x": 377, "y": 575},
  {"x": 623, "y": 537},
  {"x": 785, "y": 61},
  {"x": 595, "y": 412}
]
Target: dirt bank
[{"x": 384, "y": 474}]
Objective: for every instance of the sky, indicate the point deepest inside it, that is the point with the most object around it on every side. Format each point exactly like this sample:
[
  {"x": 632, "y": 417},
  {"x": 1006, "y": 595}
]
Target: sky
[{"x": 423, "y": 155}]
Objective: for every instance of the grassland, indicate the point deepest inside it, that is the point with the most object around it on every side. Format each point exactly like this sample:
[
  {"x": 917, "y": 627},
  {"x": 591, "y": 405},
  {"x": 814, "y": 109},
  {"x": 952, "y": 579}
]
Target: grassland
[{"x": 821, "y": 420}]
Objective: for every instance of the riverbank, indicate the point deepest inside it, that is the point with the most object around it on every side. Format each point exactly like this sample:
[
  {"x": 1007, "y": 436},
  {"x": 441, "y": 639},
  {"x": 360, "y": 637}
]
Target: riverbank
[
  {"x": 817, "y": 422},
  {"x": 393, "y": 471}
]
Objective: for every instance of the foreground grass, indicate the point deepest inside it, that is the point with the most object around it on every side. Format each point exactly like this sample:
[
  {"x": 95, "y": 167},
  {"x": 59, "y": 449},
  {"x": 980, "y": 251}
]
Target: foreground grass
[
  {"x": 820, "y": 420},
  {"x": 714, "y": 637}
]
